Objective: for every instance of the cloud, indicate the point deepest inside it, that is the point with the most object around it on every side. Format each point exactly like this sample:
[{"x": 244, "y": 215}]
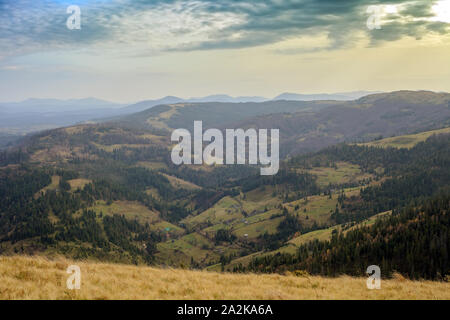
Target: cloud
[
  {"x": 11, "y": 68},
  {"x": 343, "y": 21},
  {"x": 30, "y": 26},
  {"x": 413, "y": 19}
]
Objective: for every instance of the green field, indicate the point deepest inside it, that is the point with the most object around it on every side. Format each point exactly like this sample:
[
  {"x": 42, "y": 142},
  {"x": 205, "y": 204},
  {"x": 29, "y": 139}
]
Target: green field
[
  {"x": 314, "y": 209},
  {"x": 181, "y": 184},
  {"x": 259, "y": 199},
  {"x": 253, "y": 230},
  {"x": 156, "y": 165},
  {"x": 343, "y": 173},
  {"x": 130, "y": 209},
  {"x": 226, "y": 210},
  {"x": 193, "y": 246},
  {"x": 406, "y": 141}
]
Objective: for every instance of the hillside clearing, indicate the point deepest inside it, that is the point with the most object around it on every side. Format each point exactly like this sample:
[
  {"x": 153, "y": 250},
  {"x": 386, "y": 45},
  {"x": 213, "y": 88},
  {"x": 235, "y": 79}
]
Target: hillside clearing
[
  {"x": 406, "y": 141},
  {"x": 130, "y": 209}
]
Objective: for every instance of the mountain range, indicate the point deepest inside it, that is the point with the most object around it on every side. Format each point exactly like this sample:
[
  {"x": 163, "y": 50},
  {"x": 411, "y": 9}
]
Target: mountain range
[
  {"x": 223, "y": 98},
  {"x": 307, "y": 126},
  {"x": 38, "y": 114}
]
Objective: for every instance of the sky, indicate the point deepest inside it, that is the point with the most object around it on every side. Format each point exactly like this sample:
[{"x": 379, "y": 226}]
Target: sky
[{"x": 132, "y": 50}]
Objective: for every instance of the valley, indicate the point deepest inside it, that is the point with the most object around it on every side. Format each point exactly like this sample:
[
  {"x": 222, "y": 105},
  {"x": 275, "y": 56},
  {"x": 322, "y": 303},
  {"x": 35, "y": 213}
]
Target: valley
[{"x": 109, "y": 192}]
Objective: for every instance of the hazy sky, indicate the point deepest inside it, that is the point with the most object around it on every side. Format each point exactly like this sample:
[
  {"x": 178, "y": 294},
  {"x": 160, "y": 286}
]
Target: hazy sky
[{"x": 130, "y": 50}]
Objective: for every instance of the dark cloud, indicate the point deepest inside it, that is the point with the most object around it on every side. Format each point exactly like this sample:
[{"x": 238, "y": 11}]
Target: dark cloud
[
  {"x": 34, "y": 25},
  {"x": 418, "y": 10},
  {"x": 340, "y": 19}
]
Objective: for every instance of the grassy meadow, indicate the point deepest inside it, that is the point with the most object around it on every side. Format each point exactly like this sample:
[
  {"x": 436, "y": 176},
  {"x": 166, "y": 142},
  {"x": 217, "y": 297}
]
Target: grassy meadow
[
  {"x": 24, "y": 277},
  {"x": 406, "y": 141}
]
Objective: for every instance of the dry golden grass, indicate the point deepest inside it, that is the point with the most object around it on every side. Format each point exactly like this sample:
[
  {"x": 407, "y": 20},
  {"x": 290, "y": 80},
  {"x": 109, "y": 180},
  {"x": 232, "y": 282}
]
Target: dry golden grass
[{"x": 38, "y": 278}]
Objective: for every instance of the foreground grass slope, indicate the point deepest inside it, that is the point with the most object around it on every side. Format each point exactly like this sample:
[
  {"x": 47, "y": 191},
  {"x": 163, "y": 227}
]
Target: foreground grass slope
[{"x": 38, "y": 278}]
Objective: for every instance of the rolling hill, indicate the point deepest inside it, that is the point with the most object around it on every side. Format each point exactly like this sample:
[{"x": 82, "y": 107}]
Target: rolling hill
[
  {"x": 307, "y": 126},
  {"x": 342, "y": 96},
  {"x": 406, "y": 141},
  {"x": 110, "y": 192}
]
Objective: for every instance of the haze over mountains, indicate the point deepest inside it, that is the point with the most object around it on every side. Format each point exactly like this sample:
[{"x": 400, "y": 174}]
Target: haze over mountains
[
  {"x": 344, "y": 96},
  {"x": 308, "y": 125},
  {"x": 347, "y": 96},
  {"x": 56, "y": 105},
  {"x": 311, "y": 124},
  {"x": 38, "y": 114},
  {"x": 305, "y": 126}
]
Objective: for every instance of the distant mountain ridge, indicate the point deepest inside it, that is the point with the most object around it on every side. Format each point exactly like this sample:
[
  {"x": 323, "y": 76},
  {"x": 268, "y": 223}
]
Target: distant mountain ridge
[
  {"x": 224, "y": 98},
  {"x": 40, "y": 114},
  {"x": 34, "y": 115},
  {"x": 307, "y": 126},
  {"x": 34, "y": 105},
  {"x": 227, "y": 98},
  {"x": 344, "y": 96},
  {"x": 55, "y": 105}
]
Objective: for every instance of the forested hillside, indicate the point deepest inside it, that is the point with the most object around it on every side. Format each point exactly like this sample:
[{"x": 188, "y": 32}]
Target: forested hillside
[
  {"x": 414, "y": 241},
  {"x": 110, "y": 192}
]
